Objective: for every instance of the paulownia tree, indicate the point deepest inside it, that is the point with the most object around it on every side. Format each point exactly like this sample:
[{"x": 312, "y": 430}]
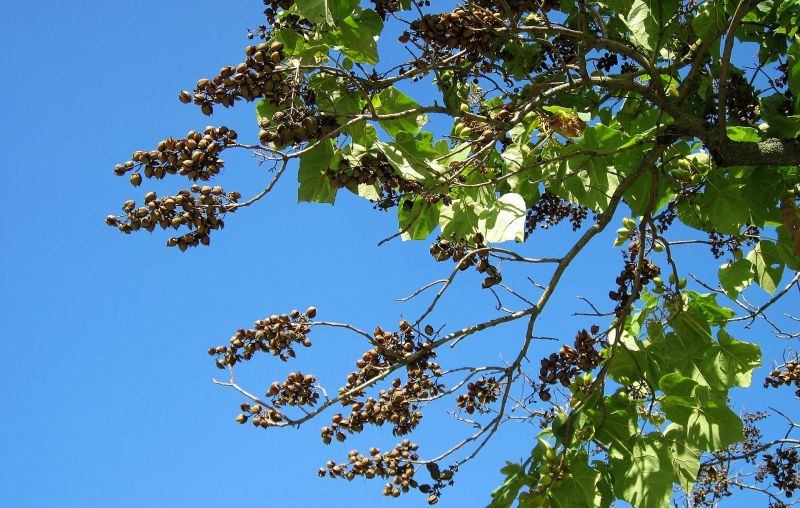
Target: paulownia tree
[{"x": 578, "y": 112}]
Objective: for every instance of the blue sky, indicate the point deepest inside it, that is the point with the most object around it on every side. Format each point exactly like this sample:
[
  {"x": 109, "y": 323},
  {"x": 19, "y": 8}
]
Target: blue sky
[{"x": 107, "y": 395}]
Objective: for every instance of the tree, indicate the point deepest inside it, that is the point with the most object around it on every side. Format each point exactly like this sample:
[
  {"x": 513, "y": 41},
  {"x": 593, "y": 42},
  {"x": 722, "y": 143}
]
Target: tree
[{"x": 556, "y": 111}]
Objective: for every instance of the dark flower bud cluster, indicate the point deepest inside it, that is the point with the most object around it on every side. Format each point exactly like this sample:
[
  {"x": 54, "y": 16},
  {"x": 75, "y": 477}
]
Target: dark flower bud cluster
[
  {"x": 195, "y": 157},
  {"x": 201, "y": 210},
  {"x": 730, "y": 243},
  {"x": 259, "y": 415},
  {"x": 479, "y": 395},
  {"x": 258, "y": 76},
  {"x": 788, "y": 374},
  {"x": 784, "y": 468},
  {"x": 550, "y": 210},
  {"x": 561, "y": 51},
  {"x": 562, "y": 367},
  {"x": 297, "y": 390},
  {"x": 606, "y": 62},
  {"x": 458, "y": 251},
  {"x": 396, "y": 465},
  {"x": 277, "y": 335}
]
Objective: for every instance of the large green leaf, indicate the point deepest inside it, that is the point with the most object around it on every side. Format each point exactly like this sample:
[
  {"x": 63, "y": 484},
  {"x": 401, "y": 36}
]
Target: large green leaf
[
  {"x": 767, "y": 265},
  {"x": 459, "y": 220},
  {"x": 356, "y": 36},
  {"x": 391, "y": 100},
  {"x": 504, "y": 495},
  {"x": 736, "y": 276},
  {"x": 685, "y": 457},
  {"x": 793, "y": 72},
  {"x": 418, "y": 220},
  {"x": 504, "y": 220},
  {"x": 645, "y": 478},
  {"x": 315, "y": 186},
  {"x": 579, "y": 488},
  {"x": 735, "y": 360},
  {"x": 325, "y": 11},
  {"x": 709, "y": 422}
]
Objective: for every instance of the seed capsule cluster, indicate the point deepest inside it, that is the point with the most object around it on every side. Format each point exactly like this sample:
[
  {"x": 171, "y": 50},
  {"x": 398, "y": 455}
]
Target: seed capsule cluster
[
  {"x": 296, "y": 125},
  {"x": 471, "y": 28},
  {"x": 457, "y": 250},
  {"x": 258, "y": 76},
  {"x": 259, "y": 415},
  {"x": 399, "y": 405},
  {"x": 479, "y": 395},
  {"x": 788, "y": 374},
  {"x": 395, "y": 465},
  {"x": 273, "y": 6},
  {"x": 201, "y": 210},
  {"x": 742, "y": 102},
  {"x": 550, "y": 210},
  {"x": 196, "y": 156},
  {"x": 784, "y": 468},
  {"x": 297, "y": 390},
  {"x": 712, "y": 484},
  {"x": 625, "y": 281},
  {"x": 482, "y": 133},
  {"x": 386, "y": 7},
  {"x": 563, "y": 366},
  {"x": 277, "y": 335},
  {"x": 374, "y": 170}
]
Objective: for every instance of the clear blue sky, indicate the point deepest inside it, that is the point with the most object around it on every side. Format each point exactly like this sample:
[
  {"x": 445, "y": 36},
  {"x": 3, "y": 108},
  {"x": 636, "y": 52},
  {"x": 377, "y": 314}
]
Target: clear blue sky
[{"x": 106, "y": 395}]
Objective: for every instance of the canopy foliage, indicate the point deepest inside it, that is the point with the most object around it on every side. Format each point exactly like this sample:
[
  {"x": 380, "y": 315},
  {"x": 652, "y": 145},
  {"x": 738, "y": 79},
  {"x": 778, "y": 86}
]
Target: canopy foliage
[{"x": 577, "y": 112}]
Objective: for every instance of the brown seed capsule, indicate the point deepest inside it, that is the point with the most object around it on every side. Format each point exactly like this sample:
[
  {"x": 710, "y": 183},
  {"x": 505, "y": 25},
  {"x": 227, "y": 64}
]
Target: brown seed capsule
[
  {"x": 136, "y": 179},
  {"x": 311, "y": 312}
]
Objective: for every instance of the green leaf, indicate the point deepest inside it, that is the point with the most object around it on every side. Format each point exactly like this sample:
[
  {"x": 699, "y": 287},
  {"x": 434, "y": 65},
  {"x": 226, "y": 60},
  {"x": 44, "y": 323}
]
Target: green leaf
[
  {"x": 709, "y": 20},
  {"x": 325, "y": 11},
  {"x": 615, "y": 423},
  {"x": 504, "y": 495},
  {"x": 356, "y": 36},
  {"x": 504, "y": 220},
  {"x": 736, "y": 360},
  {"x": 645, "y": 478},
  {"x": 724, "y": 204},
  {"x": 391, "y": 100},
  {"x": 706, "y": 307},
  {"x": 794, "y": 69},
  {"x": 642, "y": 24},
  {"x": 579, "y": 488},
  {"x": 767, "y": 265},
  {"x": 419, "y": 220},
  {"x": 710, "y": 424},
  {"x": 460, "y": 220},
  {"x": 315, "y": 187},
  {"x": 685, "y": 457},
  {"x": 744, "y": 134},
  {"x": 735, "y": 277}
]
